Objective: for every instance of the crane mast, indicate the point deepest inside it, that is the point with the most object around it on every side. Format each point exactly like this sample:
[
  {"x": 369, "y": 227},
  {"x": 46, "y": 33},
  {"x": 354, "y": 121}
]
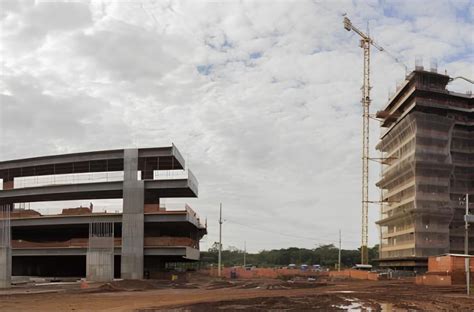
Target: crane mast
[{"x": 365, "y": 43}]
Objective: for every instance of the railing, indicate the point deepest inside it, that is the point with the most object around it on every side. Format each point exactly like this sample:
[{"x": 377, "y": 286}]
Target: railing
[
  {"x": 170, "y": 174},
  {"x": 96, "y": 177},
  {"x": 23, "y": 210},
  {"x": 61, "y": 179},
  {"x": 192, "y": 215}
]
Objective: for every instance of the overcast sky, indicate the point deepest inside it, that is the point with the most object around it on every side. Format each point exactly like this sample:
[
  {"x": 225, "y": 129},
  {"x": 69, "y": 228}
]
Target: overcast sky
[{"x": 261, "y": 97}]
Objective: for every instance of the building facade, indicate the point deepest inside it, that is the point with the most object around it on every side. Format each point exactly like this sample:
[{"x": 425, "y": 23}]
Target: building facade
[
  {"x": 136, "y": 242},
  {"x": 427, "y": 149}
]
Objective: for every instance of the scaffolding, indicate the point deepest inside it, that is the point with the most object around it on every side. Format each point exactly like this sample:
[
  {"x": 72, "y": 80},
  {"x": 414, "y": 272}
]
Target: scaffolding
[{"x": 428, "y": 154}]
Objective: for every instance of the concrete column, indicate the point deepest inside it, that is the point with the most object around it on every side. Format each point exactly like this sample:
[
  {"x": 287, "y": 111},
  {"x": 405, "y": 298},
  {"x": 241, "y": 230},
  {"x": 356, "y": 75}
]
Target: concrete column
[
  {"x": 100, "y": 252},
  {"x": 5, "y": 267},
  {"x": 100, "y": 266},
  {"x": 132, "y": 218},
  {"x": 5, "y": 246}
]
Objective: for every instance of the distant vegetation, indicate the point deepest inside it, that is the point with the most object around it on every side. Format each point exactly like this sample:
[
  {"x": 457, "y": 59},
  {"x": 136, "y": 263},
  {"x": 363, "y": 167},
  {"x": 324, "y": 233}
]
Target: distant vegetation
[{"x": 325, "y": 255}]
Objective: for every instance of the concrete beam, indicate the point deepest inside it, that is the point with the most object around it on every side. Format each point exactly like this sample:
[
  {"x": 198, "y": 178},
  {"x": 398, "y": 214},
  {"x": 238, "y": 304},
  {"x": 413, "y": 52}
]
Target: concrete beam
[
  {"x": 187, "y": 252},
  {"x": 60, "y": 159},
  {"x": 62, "y": 192},
  {"x": 99, "y": 190},
  {"x": 86, "y": 219},
  {"x": 26, "y": 167}
]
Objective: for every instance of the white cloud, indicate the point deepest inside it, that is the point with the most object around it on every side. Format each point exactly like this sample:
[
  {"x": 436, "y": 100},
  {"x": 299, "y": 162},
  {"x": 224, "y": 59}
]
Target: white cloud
[{"x": 262, "y": 97}]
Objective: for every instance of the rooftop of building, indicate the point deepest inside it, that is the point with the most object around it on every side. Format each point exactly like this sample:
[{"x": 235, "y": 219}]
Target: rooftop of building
[
  {"x": 149, "y": 159},
  {"x": 432, "y": 87}
]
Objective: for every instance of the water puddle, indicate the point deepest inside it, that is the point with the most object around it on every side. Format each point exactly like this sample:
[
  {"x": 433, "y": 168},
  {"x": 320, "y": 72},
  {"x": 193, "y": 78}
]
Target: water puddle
[{"x": 356, "y": 305}]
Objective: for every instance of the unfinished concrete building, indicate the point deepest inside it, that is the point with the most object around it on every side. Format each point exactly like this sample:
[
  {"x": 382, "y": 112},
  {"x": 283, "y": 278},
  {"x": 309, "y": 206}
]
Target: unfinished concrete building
[
  {"x": 428, "y": 168},
  {"x": 137, "y": 242}
]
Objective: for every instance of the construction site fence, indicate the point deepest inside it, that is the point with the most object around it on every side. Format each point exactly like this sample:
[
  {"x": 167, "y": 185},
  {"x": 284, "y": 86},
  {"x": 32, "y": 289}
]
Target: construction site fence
[
  {"x": 264, "y": 273},
  {"x": 355, "y": 274}
]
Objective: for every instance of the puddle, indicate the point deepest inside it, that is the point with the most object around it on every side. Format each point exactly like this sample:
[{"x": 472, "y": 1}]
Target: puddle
[
  {"x": 356, "y": 305},
  {"x": 389, "y": 307},
  {"x": 352, "y": 305}
]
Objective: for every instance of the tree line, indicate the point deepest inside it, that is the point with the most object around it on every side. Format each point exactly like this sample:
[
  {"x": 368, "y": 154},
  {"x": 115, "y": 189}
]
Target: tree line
[{"x": 324, "y": 255}]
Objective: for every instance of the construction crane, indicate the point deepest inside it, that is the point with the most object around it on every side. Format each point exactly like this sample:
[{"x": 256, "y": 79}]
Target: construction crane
[
  {"x": 365, "y": 42},
  {"x": 463, "y": 78}
]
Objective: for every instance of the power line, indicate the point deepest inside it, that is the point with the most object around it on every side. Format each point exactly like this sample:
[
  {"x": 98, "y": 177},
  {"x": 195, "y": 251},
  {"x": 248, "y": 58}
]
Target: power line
[{"x": 285, "y": 234}]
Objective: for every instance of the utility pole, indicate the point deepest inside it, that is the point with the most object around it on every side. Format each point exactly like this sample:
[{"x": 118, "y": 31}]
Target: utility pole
[
  {"x": 339, "y": 257},
  {"x": 466, "y": 246},
  {"x": 245, "y": 253},
  {"x": 219, "y": 268}
]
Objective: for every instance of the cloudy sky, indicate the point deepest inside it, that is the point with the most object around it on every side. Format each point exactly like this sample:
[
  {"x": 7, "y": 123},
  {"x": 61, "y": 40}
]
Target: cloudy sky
[{"x": 261, "y": 97}]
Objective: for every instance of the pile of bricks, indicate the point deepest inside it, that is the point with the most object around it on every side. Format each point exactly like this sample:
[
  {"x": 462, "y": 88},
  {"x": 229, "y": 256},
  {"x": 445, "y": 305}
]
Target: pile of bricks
[
  {"x": 446, "y": 270},
  {"x": 24, "y": 213},
  {"x": 8, "y": 185},
  {"x": 169, "y": 241},
  {"x": 153, "y": 208},
  {"x": 76, "y": 211}
]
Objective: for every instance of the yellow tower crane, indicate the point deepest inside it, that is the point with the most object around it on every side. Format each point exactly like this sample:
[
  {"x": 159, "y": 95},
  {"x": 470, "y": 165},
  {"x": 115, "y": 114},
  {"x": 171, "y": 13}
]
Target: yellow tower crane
[{"x": 365, "y": 43}]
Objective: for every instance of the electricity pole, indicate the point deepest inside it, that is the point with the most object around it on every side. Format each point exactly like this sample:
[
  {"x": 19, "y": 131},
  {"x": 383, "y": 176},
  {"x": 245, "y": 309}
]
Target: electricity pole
[
  {"x": 245, "y": 253},
  {"x": 339, "y": 257},
  {"x": 219, "y": 268},
  {"x": 466, "y": 246}
]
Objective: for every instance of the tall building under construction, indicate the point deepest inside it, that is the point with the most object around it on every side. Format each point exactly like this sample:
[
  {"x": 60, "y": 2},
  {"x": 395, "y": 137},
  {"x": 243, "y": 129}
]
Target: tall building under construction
[{"x": 428, "y": 167}]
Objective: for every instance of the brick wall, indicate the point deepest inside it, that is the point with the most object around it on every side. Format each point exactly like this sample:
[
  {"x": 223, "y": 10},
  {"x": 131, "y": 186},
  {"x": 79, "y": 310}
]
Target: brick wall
[
  {"x": 265, "y": 273},
  {"x": 446, "y": 270},
  {"x": 7, "y": 185},
  {"x": 356, "y": 274}
]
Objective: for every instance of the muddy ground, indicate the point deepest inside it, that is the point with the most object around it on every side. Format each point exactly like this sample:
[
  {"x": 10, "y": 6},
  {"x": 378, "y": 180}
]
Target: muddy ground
[{"x": 202, "y": 293}]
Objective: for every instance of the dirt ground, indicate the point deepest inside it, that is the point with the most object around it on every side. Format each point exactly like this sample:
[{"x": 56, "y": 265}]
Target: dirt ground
[{"x": 202, "y": 293}]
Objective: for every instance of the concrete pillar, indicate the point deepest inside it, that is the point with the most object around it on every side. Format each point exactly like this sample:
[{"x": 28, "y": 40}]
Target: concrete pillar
[
  {"x": 132, "y": 218},
  {"x": 100, "y": 252},
  {"x": 5, "y": 267},
  {"x": 5, "y": 246},
  {"x": 100, "y": 266}
]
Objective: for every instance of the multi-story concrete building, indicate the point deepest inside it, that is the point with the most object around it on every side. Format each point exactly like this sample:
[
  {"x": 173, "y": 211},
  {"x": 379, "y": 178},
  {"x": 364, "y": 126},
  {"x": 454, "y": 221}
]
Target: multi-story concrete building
[
  {"x": 140, "y": 239},
  {"x": 428, "y": 153}
]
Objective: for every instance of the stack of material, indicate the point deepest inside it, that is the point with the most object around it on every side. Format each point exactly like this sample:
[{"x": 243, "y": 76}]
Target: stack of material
[
  {"x": 150, "y": 208},
  {"x": 8, "y": 185},
  {"x": 76, "y": 211},
  {"x": 24, "y": 213},
  {"x": 446, "y": 270},
  {"x": 169, "y": 241}
]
